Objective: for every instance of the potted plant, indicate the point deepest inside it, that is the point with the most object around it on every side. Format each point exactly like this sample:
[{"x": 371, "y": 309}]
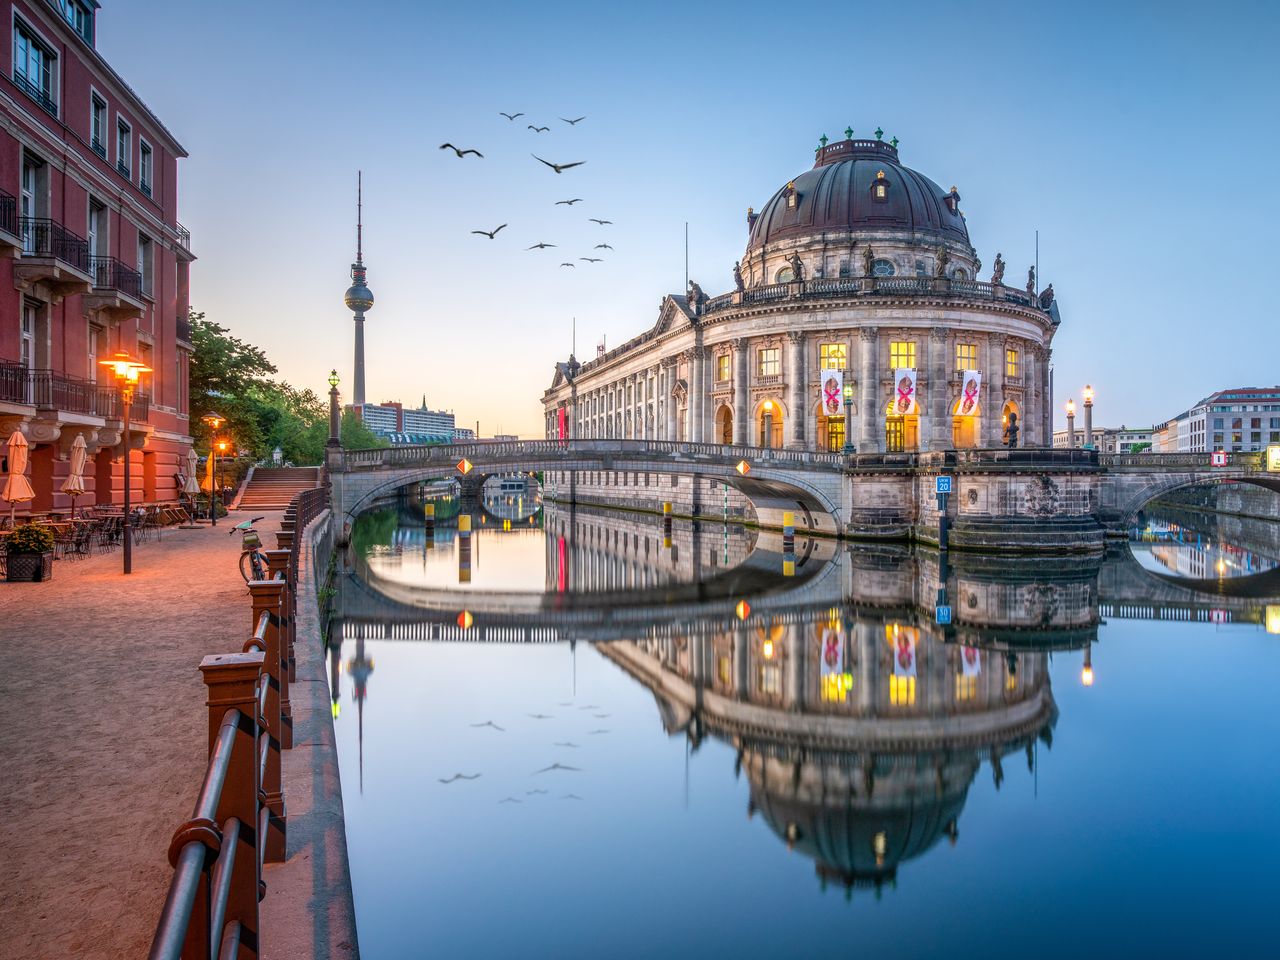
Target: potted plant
[{"x": 30, "y": 552}]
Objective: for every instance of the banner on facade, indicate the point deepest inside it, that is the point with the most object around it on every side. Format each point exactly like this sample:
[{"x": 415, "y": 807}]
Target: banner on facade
[
  {"x": 904, "y": 391},
  {"x": 561, "y": 426},
  {"x": 971, "y": 661},
  {"x": 970, "y": 388},
  {"x": 832, "y": 387}
]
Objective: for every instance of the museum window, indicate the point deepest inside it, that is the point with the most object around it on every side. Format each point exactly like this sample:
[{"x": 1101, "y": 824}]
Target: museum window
[
  {"x": 833, "y": 356},
  {"x": 1011, "y": 363},
  {"x": 966, "y": 356},
  {"x": 902, "y": 691},
  {"x": 785, "y": 275},
  {"x": 769, "y": 364},
  {"x": 902, "y": 354},
  {"x": 880, "y": 188},
  {"x": 959, "y": 275},
  {"x": 966, "y": 688},
  {"x": 844, "y": 268},
  {"x": 34, "y": 67},
  {"x": 882, "y": 268},
  {"x": 722, "y": 367}
]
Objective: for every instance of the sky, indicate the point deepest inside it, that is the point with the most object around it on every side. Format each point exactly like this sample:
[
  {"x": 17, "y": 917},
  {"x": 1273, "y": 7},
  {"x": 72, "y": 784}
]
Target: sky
[{"x": 1137, "y": 138}]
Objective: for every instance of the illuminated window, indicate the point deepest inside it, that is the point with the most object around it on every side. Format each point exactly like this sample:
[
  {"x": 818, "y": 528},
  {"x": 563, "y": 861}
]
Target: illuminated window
[
  {"x": 836, "y": 687},
  {"x": 1011, "y": 363},
  {"x": 966, "y": 688},
  {"x": 902, "y": 353},
  {"x": 833, "y": 356},
  {"x": 880, "y": 187},
  {"x": 966, "y": 356},
  {"x": 769, "y": 363},
  {"x": 722, "y": 367},
  {"x": 1010, "y": 681},
  {"x": 835, "y": 434},
  {"x": 902, "y": 691}
]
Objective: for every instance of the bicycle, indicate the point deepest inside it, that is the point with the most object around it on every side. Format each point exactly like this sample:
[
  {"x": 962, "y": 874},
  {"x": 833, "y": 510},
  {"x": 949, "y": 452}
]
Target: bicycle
[{"x": 253, "y": 564}]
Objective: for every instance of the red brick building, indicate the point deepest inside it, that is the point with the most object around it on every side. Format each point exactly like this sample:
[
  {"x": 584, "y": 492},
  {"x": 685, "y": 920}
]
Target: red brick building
[{"x": 92, "y": 260}]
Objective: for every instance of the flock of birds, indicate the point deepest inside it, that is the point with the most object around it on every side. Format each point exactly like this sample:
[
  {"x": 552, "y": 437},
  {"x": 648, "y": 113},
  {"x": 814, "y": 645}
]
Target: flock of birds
[
  {"x": 555, "y": 767},
  {"x": 559, "y": 168}
]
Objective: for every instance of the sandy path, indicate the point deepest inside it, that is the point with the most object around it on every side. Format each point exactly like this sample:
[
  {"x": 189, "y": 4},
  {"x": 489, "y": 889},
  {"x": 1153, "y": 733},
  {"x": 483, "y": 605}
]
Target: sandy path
[{"x": 102, "y": 736}]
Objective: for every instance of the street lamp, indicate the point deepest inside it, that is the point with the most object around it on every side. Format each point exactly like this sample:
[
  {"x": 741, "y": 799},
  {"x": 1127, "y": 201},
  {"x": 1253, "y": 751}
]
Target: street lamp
[
  {"x": 848, "y": 418},
  {"x": 126, "y": 371},
  {"x": 1088, "y": 417},
  {"x": 335, "y": 422},
  {"x": 768, "y": 424},
  {"x": 214, "y": 422},
  {"x": 1071, "y": 423}
]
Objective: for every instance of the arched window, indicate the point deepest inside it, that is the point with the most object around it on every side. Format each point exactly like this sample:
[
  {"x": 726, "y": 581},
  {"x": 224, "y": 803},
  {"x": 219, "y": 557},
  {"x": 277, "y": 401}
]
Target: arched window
[
  {"x": 785, "y": 275},
  {"x": 959, "y": 274},
  {"x": 882, "y": 268},
  {"x": 880, "y": 188}
]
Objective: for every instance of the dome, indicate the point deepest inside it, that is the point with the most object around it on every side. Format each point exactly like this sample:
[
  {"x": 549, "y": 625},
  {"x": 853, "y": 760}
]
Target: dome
[{"x": 859, "y": 186}]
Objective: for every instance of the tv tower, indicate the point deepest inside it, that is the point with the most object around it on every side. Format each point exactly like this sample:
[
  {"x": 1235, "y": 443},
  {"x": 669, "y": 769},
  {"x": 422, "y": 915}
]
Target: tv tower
[{"x": 359, "y": 297}]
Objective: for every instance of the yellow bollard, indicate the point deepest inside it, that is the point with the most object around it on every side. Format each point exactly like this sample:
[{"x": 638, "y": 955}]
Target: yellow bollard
[{"x": 464, "y": 523}]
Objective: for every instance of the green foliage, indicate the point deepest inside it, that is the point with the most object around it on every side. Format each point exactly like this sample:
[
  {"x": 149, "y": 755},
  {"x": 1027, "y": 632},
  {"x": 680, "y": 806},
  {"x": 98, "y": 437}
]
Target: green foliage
[
  {"x": 1140, "y": 447},
  {"x": 29, "y": 538}
]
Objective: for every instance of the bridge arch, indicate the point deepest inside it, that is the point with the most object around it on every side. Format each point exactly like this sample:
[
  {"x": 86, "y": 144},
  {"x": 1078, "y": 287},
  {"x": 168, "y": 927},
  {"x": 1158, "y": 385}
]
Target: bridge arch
[{"x": 1135, "y": 495}]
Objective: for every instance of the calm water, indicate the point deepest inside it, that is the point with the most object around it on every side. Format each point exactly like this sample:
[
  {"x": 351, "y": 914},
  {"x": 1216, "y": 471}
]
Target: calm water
[{"x": 611, "y": 744}]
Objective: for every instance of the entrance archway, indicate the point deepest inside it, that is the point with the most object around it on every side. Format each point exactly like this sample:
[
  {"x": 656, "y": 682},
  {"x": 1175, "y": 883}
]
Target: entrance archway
[
  {"x": 769, "y": 420},
  {"x": 833, "y": 429},
  {"x": 966, "y": 428},
  {"x": 724, "y": 425},
  {"x": 1011, "y": 406},
  {"x": 901, "y": 431}
]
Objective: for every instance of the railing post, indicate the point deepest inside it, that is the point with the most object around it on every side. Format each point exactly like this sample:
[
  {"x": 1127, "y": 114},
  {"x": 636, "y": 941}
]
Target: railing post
[
  {"x": 267, "y": 597},
  {"x": 278, "y": 565},
  {"x": 231, "y": 681}
]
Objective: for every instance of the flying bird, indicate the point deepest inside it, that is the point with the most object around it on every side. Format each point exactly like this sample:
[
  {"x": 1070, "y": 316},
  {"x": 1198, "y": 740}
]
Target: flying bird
[
  {"x": 537, "y": 792},
  {"x": 568, "y": 265},
  {"x": 489, "y": 233},
  {"x": 557, "y": 167},
  {"x": 571, "y": 796},
  {"x": 556, "y": 766},
  {"x": 601, "y": 716},
  {"x": 601, "y": 222},
  {"x": 510, "y": 116},
  {"x": 573, "y": 122},
  {"x": 540, "y": 246},
  {"x": 538, "y": 129},
  {"x": 568, "y": 203},
  {"x": 508, "y": 800},
  {"x": 592, "y": 733},
  {"x": 566, "y": 743},
  {"x": 603, "y": 246},
  {"x": 488, "y": 723},
  {"x": 589, "y": 706},
  {"x": 460, "y": 776},
  {"x": 591, "y": 259},
  {"x": 461, "y": 153},
  {"x": 539, "y": 716}
]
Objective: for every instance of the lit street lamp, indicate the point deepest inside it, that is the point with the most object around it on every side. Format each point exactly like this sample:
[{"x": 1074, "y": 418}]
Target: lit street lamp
[
  {"x": 848, "y": 419},
  {"x": 335, "y": 421},
  {"x": 1088, "y": 417},
  {"x": 126, "y": 371},
  {"x": 214, "y": 422},
  {"x": 1071, "y": 423}
]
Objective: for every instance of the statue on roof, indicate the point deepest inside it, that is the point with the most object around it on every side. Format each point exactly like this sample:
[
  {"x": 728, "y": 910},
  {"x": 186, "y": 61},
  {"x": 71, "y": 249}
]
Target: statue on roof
[
  {"x": 1046, "y": 297},
  {"x": 941, "y": 263},
  {"x": 737, "y": 276},
  {"x": 797, "y": 266},
  {"x": 696, "y": 297},
  {"x": 997, "y": 272},
  {"x": 1031, "y": 281},
  {"x": 868, "y": 259}
]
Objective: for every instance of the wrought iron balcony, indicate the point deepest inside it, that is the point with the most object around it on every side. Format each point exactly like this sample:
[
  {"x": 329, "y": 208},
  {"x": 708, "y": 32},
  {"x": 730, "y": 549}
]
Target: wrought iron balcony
[
  {"x": 184, "y": 330},
  {"x": 48, "y": 390},
  {"x": 42, "y": 237},
  {"x": 8, "y": 213},
  {"x": 36, "y": 93},
  {"x": 110, "y": 274},
  {"x": 122, "y": 168},
  {"x": 99, "y": 148}
]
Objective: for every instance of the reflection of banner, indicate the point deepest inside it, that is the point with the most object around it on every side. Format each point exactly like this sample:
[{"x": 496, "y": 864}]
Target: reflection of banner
[
  {"x": 971, "y": 661},
  {"x": 903, "y": 641},
  {"x": 836, "y": 683},
  {"x": 832, "y": 387},
  {"x": 904, "y": 391},
  {"x": 972, "y": 386}
]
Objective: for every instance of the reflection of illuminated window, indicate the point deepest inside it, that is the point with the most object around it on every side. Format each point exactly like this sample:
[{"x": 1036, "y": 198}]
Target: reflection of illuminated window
[
  {"x": 902, "y": 691},
  {"x": 966, "y": 688},
  {"x": 1011, "y": 681},
  {"x": 769, "y": 679},
  {"x": 724, "y": 670}
]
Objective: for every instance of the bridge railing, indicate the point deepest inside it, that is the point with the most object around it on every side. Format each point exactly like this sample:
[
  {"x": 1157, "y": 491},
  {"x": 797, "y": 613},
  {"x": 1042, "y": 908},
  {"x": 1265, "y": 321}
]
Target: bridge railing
[{"x": 1248, "y": 462}]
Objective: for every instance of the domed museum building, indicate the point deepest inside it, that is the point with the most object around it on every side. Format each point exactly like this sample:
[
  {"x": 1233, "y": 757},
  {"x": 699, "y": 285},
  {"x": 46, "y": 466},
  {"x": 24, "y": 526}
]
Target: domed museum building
[{"x": 858, "y": 320}]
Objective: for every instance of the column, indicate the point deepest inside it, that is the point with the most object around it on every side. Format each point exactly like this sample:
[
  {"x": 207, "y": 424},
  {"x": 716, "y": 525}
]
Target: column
[
  {"x": 993, "y": 390},
  {"x": 1046, "y": 399},
  {"x": 872, "y": 434},
  {"x": 1029, "y": 419},
  {"x": 741, "y": 392},
  {"x": 939, "y": 429},
  {"x": 668, "y": 396},
  {"x": 697, "y": 392},
  {"x": 796, "y": 391}
]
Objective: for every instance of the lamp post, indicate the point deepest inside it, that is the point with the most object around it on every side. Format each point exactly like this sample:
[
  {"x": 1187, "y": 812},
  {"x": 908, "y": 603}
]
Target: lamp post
[
  {"x": 214, "y": 422},
  {"x": 335, "y": 420},
  {"x": 768, "y": 425},
  {"x": 1071, "y": 423},
  {"x": 126, "y": 371},
  {"x": 848, "y": 418},
  {"x": 1088, "y": 417}
]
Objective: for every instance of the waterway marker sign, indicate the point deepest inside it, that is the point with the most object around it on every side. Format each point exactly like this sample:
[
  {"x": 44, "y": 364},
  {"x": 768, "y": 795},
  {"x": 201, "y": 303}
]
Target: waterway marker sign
[
  {"x": 743, "y": 467},
  {"x": 942, "y": 483},
  {"x": 464, "y": 466}
]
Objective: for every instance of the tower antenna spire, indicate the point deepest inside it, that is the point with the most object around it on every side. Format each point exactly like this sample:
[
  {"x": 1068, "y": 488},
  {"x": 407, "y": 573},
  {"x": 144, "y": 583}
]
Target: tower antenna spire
[{"x": 359, "y": 216}]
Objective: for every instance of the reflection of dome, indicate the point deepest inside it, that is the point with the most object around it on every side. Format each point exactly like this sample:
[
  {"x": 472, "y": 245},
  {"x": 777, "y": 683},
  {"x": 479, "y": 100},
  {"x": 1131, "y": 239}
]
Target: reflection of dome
[{"x": 843, "y": 193}]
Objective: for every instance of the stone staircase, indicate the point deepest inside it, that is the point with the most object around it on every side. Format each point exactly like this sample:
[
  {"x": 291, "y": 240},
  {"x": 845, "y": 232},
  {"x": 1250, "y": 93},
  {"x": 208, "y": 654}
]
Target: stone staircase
[{"x": 272, "y": 489}]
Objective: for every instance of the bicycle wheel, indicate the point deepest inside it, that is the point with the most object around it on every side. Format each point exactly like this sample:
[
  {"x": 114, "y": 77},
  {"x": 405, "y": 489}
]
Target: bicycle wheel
[{"x": 248, "y": 561}]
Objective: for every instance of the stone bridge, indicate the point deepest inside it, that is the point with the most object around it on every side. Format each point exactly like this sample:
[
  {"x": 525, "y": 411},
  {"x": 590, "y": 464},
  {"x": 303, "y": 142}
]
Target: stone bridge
[{"x": 1021, "y": 500}]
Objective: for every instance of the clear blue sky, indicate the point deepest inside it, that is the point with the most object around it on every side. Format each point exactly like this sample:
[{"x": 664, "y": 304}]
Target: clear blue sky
[{"x": 1139, "y": 138}]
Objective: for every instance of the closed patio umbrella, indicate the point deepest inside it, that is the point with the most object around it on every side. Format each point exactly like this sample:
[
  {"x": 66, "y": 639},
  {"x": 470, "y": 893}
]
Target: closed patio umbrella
[
  {"x": 192, "y": 487},
  {"x": 17, "y": 488},
  {"x": 74, "y": 484}
]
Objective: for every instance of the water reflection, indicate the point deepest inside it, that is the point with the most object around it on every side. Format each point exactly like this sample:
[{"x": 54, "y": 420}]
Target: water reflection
[{"x": 1200, "y": 545}]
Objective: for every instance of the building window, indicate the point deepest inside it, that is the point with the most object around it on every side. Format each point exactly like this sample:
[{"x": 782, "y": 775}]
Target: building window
[
  {"x": 902, "y": 354},
  {"x": 144, "y": 168},
  {"x": 97, "y": 228},
  {"x": 966, "y": 356},
  {"x": 145, "y": 265},
  {"x": 882, "y": 268},
  {"x": 769, "y": 363},
  {"x": 1011, "y": 363},
  {"x": 1217, "y": 441},
  {"x": 27, "y": 349},
  {"x": 722, "y": 367},
  {"x": 785, "y": 275},
  {"x": 33, "y": 188},
  {"x": 1217, "y": 423},
  {"x": 902, "y": 691},
  {"x": 835, "y": 434},
  {"x": 966, "y": 688},
  {"x": 833, "y": 356},
  {"x": 769, "y": 679},
  {"x": 124, "y": 148},
  {"x": 880, "y": 188},
  {"x": 80, "y": 18},
  {"x": 959, "y": 275},
  {"x": 98, "y": 125},
  {"x": 34, "y": 67},
  {"x": 844, "y": 268}
]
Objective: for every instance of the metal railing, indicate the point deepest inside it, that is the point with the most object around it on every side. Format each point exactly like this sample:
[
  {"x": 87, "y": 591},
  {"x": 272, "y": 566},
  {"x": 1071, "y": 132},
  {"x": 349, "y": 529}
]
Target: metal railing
[
  {"x": 8, "y": 212},
  {"x": 98, "y": 147},
  {"x": 48, "y": 390},
  {"x": 110, "y": 274},
  {"x": 1250, "y": 462},
  {"x": 36, "y": 93},
  {"x": 42, "y": 237},
  {"x": 820, "y": 287},
  {"x": 184, "y": 237}
]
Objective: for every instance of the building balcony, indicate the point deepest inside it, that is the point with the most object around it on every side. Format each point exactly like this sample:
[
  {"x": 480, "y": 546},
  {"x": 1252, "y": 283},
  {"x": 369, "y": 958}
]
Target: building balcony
[
  {"x": 36, "y": 93},
  {"x": 10, "y": 241},
  {"x": 117, "y": 289},
  {"x": 52, "y": 256},
  {"x": 49, "y": 402}
]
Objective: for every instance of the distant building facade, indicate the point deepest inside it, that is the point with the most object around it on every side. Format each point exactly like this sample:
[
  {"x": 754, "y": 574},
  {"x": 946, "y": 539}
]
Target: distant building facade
[
  {"x": 390, "y": 419},
  {"x": 94, "y": 262},
  {"x": 1239, "y": 420},
  {"x": 1109, "y": 439}
]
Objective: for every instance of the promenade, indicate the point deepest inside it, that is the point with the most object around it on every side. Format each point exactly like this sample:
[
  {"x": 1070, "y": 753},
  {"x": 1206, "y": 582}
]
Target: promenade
[{"x": 105, "y": 736}]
